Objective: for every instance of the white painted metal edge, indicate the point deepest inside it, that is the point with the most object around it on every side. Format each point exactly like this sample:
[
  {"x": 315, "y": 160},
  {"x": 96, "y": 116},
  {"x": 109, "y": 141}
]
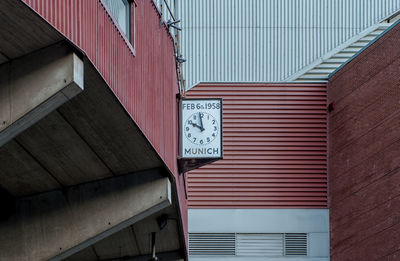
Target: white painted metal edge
[{"x": 334, "y": 51}]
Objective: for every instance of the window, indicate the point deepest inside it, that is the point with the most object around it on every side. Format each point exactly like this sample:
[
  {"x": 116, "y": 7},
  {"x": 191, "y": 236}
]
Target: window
[{"x": 123, "y": 12}]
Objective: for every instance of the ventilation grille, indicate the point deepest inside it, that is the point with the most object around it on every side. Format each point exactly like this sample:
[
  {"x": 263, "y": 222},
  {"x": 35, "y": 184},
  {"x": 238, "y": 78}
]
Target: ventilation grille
[
  {"x": 212, "y": 244},
  {"x": 259, "y": 245},
  {"x": 296, "y": 244},
  {"x": 248, "y": 244}
]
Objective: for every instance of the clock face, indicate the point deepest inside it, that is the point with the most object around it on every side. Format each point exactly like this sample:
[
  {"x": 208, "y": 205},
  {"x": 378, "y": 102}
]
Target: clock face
[{"x": 201, "y": 128}]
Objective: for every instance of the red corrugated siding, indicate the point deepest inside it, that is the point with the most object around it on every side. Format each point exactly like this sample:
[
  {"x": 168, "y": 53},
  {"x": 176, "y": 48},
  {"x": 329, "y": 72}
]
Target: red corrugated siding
[
  {"x": 275, "y": 148},
  {"x": 145, "y": 83}
]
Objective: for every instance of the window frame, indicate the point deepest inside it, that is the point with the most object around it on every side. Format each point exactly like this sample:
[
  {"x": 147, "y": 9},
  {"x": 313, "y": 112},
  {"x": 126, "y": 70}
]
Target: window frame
[{"x": 130, "y": 40}]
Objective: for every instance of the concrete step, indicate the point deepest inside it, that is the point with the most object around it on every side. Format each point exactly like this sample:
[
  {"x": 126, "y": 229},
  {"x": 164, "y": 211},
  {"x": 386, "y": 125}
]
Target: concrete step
[
  {"x": 350, "y": 50},
  {"x": 344, "y": 54},
  {"x": 376, "y": 32},
  {"x": 358, "y": 44},
  {"x": 314, "y": 76},
  {"x": 321, "y": 71},
  {"x": 327, "y": 66},
  {"x": 336, "y": 60},
  {"x": 367, "y": 38}
]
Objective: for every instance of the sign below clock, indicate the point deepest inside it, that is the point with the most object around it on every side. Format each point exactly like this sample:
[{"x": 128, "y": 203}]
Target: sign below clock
[{"x": 201, "y": 129}]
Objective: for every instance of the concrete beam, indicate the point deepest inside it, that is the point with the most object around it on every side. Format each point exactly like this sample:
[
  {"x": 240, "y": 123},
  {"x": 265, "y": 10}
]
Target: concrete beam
[
  {"x": 55, "y": 225},
  {"x": 170, "y": 256},
  {"x": 34, "y": 85}
]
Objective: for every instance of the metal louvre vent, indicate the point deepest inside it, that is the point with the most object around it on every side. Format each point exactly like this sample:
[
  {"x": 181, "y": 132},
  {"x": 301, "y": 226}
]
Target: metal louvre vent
[
  {"x": 248, "y": 244},
  {"x": 296, "y": 244},
  {"x": 259, "y": 244},
  {"x": 212, "y": 244}
]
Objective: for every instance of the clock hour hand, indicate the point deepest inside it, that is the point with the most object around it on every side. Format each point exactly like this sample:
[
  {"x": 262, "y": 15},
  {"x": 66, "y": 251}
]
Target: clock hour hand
[
  {"x": 201, "y": 122},
  {"x": 195, "y": 125}
]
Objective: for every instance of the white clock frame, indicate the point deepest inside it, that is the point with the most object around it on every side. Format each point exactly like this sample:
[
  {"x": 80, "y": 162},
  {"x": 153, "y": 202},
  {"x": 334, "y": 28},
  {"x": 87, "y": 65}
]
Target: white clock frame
[{"x": 192, "y": 107}]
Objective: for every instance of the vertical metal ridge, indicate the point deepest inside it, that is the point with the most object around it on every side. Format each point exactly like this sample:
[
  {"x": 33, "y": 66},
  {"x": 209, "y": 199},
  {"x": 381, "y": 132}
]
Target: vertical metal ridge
[
  {"x": 267, "y": 41},
  {"x": 275, "y": 148},
  {"x": 129, "y": 75}
]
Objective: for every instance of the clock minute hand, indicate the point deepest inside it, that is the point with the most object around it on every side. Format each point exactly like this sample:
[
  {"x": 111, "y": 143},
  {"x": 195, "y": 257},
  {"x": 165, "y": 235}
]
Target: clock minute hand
[{"x": 201, "y": 122}]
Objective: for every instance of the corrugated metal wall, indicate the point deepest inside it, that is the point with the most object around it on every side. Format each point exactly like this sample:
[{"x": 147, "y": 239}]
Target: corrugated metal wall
[
  {"x": 144, "y": 80},
  {"x": 267, "y": 41},
  {"x": 275, "y": 148}
]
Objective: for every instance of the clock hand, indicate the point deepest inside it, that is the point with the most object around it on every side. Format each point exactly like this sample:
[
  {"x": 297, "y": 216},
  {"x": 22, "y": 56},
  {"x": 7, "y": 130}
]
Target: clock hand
[
  {"x": 201, "y": 122},
  {"x": 195, "y": 125}
]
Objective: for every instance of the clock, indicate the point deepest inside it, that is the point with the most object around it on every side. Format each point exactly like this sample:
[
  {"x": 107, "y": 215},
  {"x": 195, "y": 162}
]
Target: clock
[{"x": 201, "y": 128}]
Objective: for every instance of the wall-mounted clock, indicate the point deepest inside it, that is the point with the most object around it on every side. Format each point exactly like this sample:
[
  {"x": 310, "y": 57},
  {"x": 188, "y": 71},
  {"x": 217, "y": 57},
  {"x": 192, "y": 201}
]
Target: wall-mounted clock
[{"x": 201, "y": 128}]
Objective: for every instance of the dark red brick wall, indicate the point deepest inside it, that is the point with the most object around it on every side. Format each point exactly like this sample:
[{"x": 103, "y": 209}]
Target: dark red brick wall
[{"x": 364, "y": 154}]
